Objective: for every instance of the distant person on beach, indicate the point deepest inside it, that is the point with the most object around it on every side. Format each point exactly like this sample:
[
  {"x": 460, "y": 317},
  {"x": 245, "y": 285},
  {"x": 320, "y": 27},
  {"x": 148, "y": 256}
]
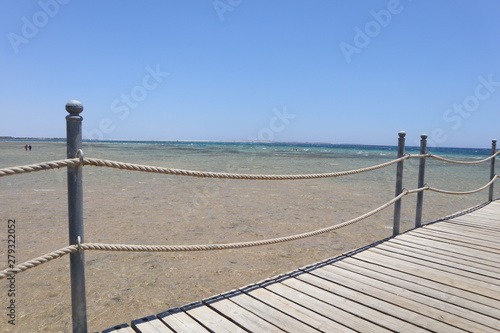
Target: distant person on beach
[
  {"x": 30, "y": 147},
  {"x": 26, "y": 147}
]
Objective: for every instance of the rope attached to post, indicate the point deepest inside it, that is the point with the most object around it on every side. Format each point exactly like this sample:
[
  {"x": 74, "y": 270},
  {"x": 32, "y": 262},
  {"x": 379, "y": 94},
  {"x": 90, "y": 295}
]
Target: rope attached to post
[
  {"x": 39, "y": 167},
  {"x": 184, "y": 248},
  {"x": 80, "y": 160}
]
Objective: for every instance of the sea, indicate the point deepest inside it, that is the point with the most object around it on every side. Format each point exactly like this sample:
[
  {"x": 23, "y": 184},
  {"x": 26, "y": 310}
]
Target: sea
[
  {"x": 359, "y": 193},
  {"x": 129, "y": 207}
]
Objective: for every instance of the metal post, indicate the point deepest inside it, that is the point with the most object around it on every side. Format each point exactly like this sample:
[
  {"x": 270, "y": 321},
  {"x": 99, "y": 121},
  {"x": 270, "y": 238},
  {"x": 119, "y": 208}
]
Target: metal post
[
  {"x": 492, "y": 167},
  {"x": 75, "y": 215},
  {"x": 399, "y": 183},
  {"x": 421, "y": 175}
]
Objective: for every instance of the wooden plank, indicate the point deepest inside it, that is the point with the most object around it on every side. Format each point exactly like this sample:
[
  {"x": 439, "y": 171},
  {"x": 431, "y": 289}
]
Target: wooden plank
[
  {"x": 448, "y": 247},
  {"x": 446, "y": 253},
  {"x": 480, "y": 300},
  {"x": 150, "y": 324},
  {"x": 480, "y": 218},
  {"x": 297, "y": 311},
  {"x": 210, "y": 318},
  {"x": 453, "y": 260},
  {"x": 272, "y": 315},
  {"x": 477, "y": 223},
  {"x": 179, "y": 321},
  {"x": 435, "y": 259},
  {"x": 350, "y": 322},
  {"x": 426, "y": 262},
  {"x": 471, "y": 223},
  {"x": 464, "y": 230},
  {"x": 437, "y": 318},
  {"x": 463, "y": 308},
  {"x": 466, "y": 240},
  {"x": 473, "y": 253},
  {"x": 380, "y": 312},
  {"x": 240, "y": 315},
  {"x": 361, "y": 314},
  {"x": 463, "y": 282}
]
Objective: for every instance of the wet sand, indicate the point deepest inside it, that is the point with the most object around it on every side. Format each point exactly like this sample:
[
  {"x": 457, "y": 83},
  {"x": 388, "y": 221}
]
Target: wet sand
[{"x": 132, "y": 208}]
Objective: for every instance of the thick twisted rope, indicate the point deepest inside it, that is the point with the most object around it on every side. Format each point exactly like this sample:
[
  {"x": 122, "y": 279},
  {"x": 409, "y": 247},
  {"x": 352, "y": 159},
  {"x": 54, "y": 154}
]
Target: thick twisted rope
[
  {"x": 463, "y": 162},
  {"x": 465, "y": 192},
  {"x": 39, "y": 167},
  {"x": 184, "y": 248},
  {"x": 211, "y": 247},
  {"x": 38, "y": 261},
  {"x": 192, "y": 173},
  {"x": 181, "y": 172}
]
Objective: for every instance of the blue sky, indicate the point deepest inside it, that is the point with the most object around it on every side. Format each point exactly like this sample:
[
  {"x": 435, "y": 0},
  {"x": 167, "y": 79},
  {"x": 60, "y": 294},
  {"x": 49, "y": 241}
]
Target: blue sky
[{"x": 296, "y": 70}]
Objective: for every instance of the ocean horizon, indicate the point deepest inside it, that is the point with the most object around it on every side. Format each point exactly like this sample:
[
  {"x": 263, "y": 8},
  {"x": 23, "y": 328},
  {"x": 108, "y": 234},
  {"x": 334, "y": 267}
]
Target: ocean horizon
[{"x": 459, "y": 151}]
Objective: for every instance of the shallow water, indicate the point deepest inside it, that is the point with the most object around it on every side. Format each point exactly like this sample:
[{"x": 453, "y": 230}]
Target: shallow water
[{"x": 142, "y": 208}]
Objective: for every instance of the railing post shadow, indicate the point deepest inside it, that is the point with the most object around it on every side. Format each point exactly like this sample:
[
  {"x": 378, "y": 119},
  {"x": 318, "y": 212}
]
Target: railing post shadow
[
  {"x": 492, "y": 168},
  {"x": 75, "y": 216},
  {"x": 421, "y": 177},
  {"x": 399, "y": 183}
]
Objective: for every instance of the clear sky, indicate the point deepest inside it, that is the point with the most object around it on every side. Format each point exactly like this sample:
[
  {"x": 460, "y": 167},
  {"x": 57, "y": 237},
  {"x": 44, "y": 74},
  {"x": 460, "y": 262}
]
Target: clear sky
[{"x": 332, "y": 71}]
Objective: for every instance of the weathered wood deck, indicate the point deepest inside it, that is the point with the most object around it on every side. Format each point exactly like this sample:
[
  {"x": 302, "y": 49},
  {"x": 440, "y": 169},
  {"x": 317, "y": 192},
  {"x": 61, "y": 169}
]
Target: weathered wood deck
[{"x": 443, "y": 277}]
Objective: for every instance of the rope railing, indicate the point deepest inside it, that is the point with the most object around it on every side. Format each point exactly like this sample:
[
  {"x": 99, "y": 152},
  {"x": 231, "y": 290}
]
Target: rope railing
[
  {"x": 181, "y": 172},
  {"x": 39, "y": 167},
  {"x": 209, "y": 174},
  {"x": 464, "y": 192},
  {"x": 437, "y": 157},
  {"x": 185, "y": 248},
  {"x": 221, "y": 246},
  {"x": 76, "y": 161}
]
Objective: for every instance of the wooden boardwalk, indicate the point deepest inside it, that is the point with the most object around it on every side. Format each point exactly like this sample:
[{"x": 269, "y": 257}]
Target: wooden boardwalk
[{"x": 443, "y": 277}]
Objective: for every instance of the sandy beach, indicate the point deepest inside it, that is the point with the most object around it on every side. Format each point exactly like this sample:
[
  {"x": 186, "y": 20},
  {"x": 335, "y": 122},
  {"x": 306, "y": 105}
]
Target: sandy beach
[{"x": 137, "y": 208}]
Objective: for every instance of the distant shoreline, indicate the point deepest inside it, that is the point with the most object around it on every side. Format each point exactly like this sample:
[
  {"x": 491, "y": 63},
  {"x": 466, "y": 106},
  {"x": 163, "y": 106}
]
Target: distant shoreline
[
  {"x": 31, "y": 139},
  {"x": 12, "y": 138}
]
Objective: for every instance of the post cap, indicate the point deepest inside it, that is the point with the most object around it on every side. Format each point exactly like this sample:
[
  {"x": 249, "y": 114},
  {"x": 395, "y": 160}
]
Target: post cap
[
  {"x": 74, "y": 106},
  {"x": 423, "y": 136},
  {"x": 402, "y": 134}
]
